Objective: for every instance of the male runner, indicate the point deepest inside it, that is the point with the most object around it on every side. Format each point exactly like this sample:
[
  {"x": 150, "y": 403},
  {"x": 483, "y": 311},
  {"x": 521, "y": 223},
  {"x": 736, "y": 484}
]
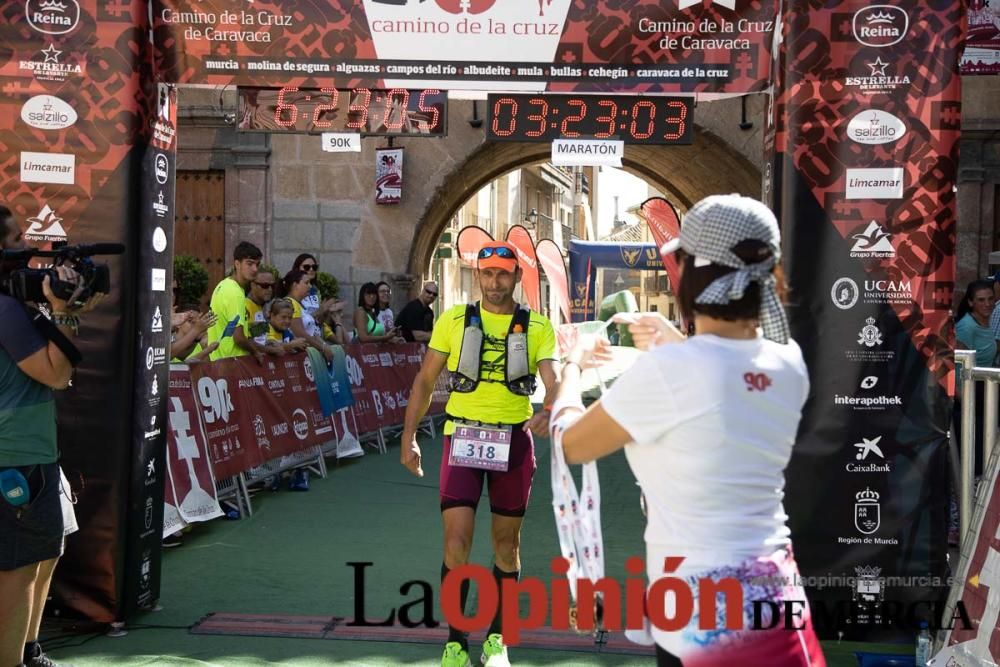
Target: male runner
[{"x": 494, "y": 408}]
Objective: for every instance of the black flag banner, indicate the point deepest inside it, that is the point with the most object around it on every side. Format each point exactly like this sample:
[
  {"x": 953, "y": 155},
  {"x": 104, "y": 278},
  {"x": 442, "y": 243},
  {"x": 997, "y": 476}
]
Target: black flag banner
[{"x": 864, "y": 140}]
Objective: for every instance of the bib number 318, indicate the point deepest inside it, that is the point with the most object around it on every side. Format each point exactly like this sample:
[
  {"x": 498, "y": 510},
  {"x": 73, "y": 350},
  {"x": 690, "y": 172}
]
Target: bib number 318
[{"x": 486, "y": 447}]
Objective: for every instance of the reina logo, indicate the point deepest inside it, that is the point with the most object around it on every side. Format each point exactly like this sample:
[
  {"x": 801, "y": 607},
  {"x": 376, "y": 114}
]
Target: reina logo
[
  {"x": 875, "y": 127},
  {"x": 880, "y": 25},
  {"x": 52, "y": 17}
]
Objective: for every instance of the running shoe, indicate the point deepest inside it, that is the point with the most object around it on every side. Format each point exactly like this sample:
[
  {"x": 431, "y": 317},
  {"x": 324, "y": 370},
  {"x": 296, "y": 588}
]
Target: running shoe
[
  {"x": 494, "y": 652},
  {"x": 455, "y": 656},
  {"x": 42, "y": 660}
]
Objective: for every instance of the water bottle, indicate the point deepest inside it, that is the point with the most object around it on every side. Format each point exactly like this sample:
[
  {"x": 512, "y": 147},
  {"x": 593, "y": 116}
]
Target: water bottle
[{"x": 923, "y": 645}]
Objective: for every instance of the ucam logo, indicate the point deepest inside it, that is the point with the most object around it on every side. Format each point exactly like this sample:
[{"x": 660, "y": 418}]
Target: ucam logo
[
  {"x": 880, "y": 25},
  {"x": 875, "y": 127},
  {"x": 46, "y": 112},
  {"x": 844, "y": 293},
  {"x": 52, "y": 17}
]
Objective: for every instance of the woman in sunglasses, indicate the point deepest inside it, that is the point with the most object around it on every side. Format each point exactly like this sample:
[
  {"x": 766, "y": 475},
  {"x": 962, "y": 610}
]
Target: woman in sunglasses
[
  {"x": 308, "y": 265},
  {"x": 367, "y": 327}
]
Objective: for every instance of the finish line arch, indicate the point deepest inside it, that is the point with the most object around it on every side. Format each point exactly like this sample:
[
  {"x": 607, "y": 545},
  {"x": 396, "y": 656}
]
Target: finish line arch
[{"x": 687, "y": 173}]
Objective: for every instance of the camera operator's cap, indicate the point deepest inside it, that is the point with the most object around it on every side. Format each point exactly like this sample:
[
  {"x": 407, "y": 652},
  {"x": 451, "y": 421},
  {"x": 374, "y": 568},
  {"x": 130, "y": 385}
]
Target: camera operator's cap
[
  {"x": 712, "y": 230},
  {"x": 497, "y": 254}
]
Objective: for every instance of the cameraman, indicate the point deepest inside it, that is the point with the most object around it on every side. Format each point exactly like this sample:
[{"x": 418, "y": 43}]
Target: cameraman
[{"x": 31, "y": 533}]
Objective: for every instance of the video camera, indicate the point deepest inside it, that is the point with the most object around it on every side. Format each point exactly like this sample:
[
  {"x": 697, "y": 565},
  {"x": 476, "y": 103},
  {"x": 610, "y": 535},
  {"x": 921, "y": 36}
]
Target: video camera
[{"x": 25, "y": 284}]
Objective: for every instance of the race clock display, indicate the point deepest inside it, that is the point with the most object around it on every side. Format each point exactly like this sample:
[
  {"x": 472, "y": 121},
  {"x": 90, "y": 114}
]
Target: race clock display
[
  {"x": 634, "y": 120},
  {"x": 392, "y": 112}
]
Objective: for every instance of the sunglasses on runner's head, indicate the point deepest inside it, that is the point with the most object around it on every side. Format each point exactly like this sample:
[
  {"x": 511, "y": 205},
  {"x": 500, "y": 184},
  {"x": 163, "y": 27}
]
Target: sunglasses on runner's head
[{"x": 506, "y": 253}]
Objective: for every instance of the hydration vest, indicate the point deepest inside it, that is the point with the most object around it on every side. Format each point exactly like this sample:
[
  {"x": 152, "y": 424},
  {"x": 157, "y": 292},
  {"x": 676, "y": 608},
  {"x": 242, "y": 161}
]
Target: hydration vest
[{"x": 517, "y": 376}]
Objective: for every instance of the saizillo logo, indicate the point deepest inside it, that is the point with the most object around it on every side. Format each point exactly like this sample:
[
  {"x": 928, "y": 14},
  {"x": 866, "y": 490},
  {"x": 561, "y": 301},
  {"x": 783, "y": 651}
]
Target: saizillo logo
[
  {"x": 875, "y": 127},
  {"x": 48, "y": 113},
  {"x": 880, "y": 25},
  {"x": 53, "y": 17},
  {"x": 46, "y": 226}
]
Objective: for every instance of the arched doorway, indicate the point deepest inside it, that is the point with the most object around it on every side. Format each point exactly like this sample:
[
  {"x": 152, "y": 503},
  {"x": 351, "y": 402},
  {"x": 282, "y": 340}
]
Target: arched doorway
[{"x": 688, "y": 173}]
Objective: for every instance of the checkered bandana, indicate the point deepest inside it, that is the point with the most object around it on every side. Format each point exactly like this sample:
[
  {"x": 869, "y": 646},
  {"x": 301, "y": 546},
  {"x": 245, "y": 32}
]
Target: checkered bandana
[{"x": 710, "y": 231}]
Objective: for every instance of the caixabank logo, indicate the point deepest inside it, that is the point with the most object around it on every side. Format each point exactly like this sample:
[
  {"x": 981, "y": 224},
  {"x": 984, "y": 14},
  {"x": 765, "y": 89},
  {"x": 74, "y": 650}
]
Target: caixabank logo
[{"x": 52, "y": 17}]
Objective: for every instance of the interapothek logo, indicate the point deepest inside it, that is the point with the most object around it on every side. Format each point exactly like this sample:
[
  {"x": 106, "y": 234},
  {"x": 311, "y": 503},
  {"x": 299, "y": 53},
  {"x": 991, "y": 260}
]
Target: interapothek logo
[
  {"x": 880, "y": 25},
  {"x": 52, "y": 17}
]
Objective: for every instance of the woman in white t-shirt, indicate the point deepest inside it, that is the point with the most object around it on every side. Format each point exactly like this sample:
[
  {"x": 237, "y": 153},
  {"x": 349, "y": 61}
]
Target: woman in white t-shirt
[{"x": 708, "y": 425}]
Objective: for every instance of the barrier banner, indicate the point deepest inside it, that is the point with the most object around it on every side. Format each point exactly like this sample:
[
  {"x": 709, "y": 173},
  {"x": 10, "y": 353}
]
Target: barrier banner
[
  {"x": 646, "y": 46},
  {"x": 865, "y": 151},
  {"x": 74, "y": 121},
  {"x": 381, "y": 378},
  {"x": 982, "y": 48},
  {"x": 191, "y": 481},
  {"x": 253, "y": 413},
  {"x": 551, "y": 259},
  {"x": 664, "y": 225},
  {"x": 977, "y": 583}
]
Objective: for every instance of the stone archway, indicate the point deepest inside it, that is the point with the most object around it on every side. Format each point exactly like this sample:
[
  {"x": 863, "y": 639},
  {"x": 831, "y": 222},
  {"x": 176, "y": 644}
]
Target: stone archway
[{"x": 688, "y": 173}]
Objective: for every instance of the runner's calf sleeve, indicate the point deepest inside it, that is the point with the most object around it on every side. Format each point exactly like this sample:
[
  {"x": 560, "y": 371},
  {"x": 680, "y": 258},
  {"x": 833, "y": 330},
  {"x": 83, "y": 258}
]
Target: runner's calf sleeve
[
  {"x": 455, "y": 635},
  {"x": 496, "y": 627}
]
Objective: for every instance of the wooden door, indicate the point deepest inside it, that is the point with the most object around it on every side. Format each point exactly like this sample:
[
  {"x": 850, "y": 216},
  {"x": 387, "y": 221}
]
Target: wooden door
[{"x": 200, "y": 227}]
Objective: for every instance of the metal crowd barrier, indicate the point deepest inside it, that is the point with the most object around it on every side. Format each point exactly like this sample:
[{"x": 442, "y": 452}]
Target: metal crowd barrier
[{"x": 968, "y": 375}]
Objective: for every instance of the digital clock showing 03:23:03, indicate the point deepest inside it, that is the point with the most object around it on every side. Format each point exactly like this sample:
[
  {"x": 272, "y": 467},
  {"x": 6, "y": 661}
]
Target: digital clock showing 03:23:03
[
  {"x": 369, "y": 111},
  {"x": 634, "y": 120}
]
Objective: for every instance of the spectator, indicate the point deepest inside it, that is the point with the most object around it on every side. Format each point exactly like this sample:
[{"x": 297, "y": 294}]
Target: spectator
[
  {"x": 367, "y": 327},
  {"x": 972, "y": 332},
  {"x": 303, "y": 325},
  {"x": 32, "y": 364},
  {"x": 280, "y": 336},
  {"x": 308, "y": 265},
  {"x": 261, "y": 291},
  {"x": 972, "y": 322},
  {"x": 230, "y": 307},
  {"x": 186, "y": 341},
  {"x": 416, "y": 320},
  {"x": 385, "y": 314},
  {"x": 330, "y": 318}
]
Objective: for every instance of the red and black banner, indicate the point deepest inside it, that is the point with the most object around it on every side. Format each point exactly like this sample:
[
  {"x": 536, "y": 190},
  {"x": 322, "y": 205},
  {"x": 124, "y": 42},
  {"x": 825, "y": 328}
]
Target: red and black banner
[
  {"x": 75, "y": 124},
  {"x": 648, "y": 46},
  {"x": 865, "y": 136}
]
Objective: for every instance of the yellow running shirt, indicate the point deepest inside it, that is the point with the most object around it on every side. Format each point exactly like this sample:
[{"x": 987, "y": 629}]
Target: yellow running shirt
[
  {"x": 491, "y": 402},
  {"x": 229, "y": 302}
]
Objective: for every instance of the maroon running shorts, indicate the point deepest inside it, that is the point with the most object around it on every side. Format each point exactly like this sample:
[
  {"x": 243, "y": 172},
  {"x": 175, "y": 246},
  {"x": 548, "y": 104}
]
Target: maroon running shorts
[{"x": 509, "y": 490}]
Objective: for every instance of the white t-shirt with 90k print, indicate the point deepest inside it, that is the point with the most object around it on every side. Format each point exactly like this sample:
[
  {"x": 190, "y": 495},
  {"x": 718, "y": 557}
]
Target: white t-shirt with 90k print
[{"x": 713, "y": 421}]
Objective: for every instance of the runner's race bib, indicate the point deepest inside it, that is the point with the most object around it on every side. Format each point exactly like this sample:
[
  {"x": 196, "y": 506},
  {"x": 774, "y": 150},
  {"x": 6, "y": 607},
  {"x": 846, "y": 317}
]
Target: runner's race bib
[{"x": 486, "y": 447}]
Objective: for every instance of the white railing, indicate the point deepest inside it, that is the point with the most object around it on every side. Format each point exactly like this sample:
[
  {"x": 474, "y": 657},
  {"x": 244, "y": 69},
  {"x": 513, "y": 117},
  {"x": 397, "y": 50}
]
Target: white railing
[{"x": 968, "y": 375}]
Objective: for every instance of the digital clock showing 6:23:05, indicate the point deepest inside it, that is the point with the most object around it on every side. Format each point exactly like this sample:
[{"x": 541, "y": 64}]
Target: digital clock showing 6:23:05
[
  {"x": 546, "y": 117},
  {"x": 371, "y": 111}
]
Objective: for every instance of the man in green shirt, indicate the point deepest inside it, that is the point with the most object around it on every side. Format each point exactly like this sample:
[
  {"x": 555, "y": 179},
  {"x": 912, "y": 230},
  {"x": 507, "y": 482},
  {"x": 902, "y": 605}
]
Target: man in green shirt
[
  {"x": 230, "y": 306},
  {"x": 31, "y": 533}
]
